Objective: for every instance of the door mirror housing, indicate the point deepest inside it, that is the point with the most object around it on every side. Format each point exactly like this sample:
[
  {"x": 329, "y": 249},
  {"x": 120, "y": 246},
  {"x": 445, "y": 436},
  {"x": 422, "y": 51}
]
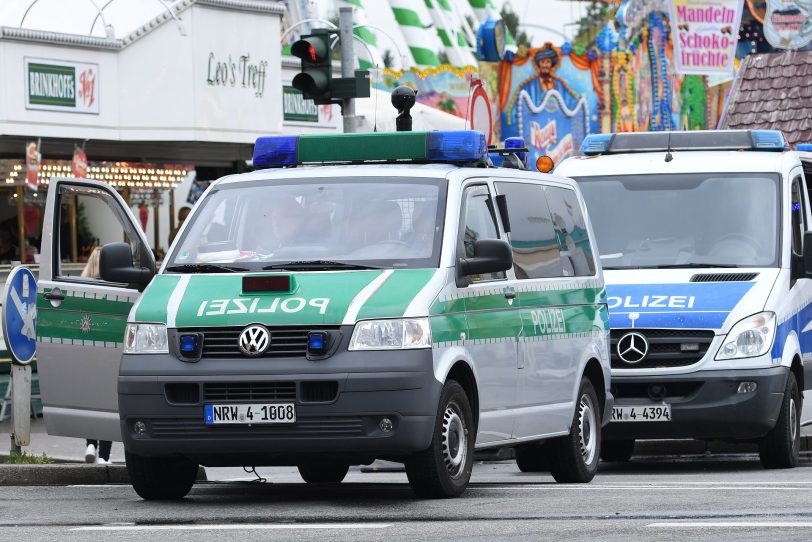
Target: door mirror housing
[
  {"x": 116, "y": 265},
  {"x": 490, "y": 256}
]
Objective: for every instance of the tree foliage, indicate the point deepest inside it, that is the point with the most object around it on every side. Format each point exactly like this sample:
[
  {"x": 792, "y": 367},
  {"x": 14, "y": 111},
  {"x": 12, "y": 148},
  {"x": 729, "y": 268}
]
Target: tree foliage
[
  {"x": 511, "y": 20},
  {"x": 597, "y": 13}
]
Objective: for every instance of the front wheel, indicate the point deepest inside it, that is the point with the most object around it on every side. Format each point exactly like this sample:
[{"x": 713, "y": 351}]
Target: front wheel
[
  {"x": 444, "y": 468},
  {"x": 160, "y": 478},
  {"x": 780, "y": 448},
  {"x": 574, "y": 458},
  {"x": 323, "y": 473}
]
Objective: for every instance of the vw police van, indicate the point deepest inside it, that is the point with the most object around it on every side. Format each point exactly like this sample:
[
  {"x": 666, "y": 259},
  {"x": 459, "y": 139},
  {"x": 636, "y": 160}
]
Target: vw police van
[
  {"x": 416, "y": 308},
  {"x": 703, "y": 236}
]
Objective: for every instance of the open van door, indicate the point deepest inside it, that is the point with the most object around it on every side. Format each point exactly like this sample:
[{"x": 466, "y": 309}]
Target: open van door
[{"x": 81, "y": 317}]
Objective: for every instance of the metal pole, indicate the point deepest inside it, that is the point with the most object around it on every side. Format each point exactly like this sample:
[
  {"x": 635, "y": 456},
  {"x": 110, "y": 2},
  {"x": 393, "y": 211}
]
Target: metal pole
[
  {"x": 347, "y": 64},
  {"x": 21, "y": 223}
]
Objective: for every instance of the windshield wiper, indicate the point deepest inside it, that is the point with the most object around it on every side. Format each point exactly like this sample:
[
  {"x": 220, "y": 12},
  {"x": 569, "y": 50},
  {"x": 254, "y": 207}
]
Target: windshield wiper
[
  {"x": 310, "y": 265},
  {"x": 693, "y": 265},
  {"x": 204, "y": 268}
]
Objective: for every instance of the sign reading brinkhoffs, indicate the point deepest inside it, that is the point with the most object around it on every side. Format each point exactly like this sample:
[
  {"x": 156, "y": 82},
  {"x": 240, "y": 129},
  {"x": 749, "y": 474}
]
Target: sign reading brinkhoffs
[{"x": 56, "y": 85}]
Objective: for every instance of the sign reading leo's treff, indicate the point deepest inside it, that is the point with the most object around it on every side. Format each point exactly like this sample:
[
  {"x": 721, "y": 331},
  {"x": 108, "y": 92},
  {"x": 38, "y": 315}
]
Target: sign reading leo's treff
[{"x": 20, "y": 315}]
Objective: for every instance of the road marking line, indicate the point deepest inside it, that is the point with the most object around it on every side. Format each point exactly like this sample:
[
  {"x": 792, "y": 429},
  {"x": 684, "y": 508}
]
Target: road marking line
[
  {"x": 233, "y": 527},
  {"x": 587, "y": 487},
  {"x": 727, "y": 524}
]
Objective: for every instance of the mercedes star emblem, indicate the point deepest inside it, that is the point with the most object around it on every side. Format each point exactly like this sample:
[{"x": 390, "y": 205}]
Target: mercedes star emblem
[
  {"x": 254, "y": 340},
  {"x": 632, "y": 348}
]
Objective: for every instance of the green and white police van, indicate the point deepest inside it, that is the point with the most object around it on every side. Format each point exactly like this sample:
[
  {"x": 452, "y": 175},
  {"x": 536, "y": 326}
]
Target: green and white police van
[
  {"x": 705, "y": 241},
  {"x": 400, "y": 299}
]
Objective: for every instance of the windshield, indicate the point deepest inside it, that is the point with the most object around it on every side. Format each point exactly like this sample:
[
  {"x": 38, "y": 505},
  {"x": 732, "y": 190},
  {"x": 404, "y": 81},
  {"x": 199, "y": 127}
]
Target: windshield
[
  {"x": 315, "y": 224},
  {"x": 688, "y": 220}
]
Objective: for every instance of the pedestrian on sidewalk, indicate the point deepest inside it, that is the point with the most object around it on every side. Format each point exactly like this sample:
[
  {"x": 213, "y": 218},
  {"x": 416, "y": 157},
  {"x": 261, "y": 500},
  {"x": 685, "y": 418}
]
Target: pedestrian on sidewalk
[{"x": 97, "y": 451}]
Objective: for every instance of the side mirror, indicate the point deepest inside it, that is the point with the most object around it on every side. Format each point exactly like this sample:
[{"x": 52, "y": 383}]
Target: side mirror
[
  {"x": 490, "y": 256},
  {"x": 116, "y": 265},
  {"x": 807, "y": 257}
]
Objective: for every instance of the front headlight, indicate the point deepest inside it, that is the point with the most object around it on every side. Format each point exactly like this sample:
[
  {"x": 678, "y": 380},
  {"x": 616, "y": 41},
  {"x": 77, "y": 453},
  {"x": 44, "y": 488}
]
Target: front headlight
[
  {"x": 394, "y": 334},
  {"x": 749, "y": 338},
  {"x": 145, "y": 339}
]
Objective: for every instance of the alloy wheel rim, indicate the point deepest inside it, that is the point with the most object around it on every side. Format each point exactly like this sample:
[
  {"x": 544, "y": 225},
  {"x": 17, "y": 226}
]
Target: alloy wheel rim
[
  {"x": 793, "y": 420},
  {"x": 587, "y": 436},
  {"x": 454, "y": 441}
]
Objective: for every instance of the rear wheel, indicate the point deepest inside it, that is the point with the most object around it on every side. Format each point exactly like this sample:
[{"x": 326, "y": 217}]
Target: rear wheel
[
  {"x": 323, "y": 473},
  {"x": 532, "y": 458},
  {"x": 617, "y": 450},
  {"x": 444, "y": 468},
  {"x": 780, "y": 448},
  {"x": 574, "y": 458},
  {"x": 160, "y": 478}
]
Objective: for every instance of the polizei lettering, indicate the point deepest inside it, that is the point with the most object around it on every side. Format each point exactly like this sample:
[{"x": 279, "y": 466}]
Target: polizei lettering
[
  {"x": 256, "y": 305},
  {"x": 652, "y": 302}
]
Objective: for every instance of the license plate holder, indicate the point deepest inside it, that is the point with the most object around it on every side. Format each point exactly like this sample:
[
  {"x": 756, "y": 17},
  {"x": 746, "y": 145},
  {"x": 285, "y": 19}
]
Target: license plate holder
[
  {"x": 642, "y": 413},
  {"x": 249, "y": 414}
]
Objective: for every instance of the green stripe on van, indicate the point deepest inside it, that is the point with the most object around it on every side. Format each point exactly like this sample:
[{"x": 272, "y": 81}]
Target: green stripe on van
[
  {"x": 155, "y": 299},
  {"x": 395, "y": 295}
]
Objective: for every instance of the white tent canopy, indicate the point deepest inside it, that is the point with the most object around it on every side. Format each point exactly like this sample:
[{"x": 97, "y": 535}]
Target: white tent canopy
[{"x": 378, "y": 109}]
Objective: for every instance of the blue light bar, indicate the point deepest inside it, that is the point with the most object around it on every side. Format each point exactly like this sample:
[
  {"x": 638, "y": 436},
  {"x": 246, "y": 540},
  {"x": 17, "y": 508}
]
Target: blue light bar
[
  {"x": 805, "y": 147},
  {"x": 275, "y": 151},
  {"x": 517, "y": 143},
  {"x": 456, "y": 146},
  {"x": 698, "y": 140},
  {"x": 596, "y": 144},
  {"x": 771, "y": 140}
]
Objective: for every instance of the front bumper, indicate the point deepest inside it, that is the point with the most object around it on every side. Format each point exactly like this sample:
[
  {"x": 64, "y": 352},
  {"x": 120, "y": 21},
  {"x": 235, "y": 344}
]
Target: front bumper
[
  {"x": 704, "y": 404},
  {"x": 345, "y": 425}
]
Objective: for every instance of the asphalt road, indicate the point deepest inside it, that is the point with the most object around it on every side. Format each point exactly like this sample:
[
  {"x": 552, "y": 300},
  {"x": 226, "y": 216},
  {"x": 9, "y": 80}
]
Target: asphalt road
[{"x": 723, "y": 498}]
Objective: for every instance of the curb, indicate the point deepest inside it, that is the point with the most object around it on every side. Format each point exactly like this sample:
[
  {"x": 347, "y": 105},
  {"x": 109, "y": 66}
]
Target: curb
[{"x": 56, "y": 474}]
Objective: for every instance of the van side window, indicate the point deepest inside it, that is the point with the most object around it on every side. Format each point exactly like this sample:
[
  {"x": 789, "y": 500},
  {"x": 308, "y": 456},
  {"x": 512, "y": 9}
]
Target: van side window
[
  {"x": 535, "y": 247},
  {"x": 571, "y": 231},
  {"x": 798, "y": 221},
  {"x": 79, "y": 247},
  {"x": 479, "y": 223}
]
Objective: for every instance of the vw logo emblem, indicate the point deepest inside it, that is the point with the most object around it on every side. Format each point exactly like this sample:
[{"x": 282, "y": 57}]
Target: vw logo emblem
[
  {"x": 632, "y": 348},
  {"x": 254, "y": 340}
]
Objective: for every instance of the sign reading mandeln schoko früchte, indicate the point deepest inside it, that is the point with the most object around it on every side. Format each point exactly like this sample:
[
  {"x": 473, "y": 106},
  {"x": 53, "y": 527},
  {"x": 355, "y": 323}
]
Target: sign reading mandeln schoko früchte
[{"x": 56, "y": 85}]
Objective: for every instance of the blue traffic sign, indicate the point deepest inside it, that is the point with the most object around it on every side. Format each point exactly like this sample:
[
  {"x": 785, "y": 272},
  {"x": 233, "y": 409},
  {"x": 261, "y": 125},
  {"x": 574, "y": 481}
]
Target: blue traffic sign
[{"x": 20, "y": 315}]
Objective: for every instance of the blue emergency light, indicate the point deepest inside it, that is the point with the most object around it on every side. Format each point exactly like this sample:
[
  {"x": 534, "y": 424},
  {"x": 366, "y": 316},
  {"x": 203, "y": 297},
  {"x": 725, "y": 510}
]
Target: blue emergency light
[
  {"x": 806, "y": 147},
  {"x": 699, "y": 140},
  {"x": 454, "y": 146},
  {"x": 317, "y": 343},
  {"x": 188, "y": 344}
]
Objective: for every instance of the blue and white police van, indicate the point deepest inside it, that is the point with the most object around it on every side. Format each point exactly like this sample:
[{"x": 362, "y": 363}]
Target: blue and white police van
[{"x": 707, "y": 256}]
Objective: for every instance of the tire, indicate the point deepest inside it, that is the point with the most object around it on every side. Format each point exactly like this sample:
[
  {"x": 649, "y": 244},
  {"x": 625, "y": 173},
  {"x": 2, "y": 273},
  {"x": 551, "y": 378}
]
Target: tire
[
  {"x": 779, "y": 449},
  {"x": 619, "y": 451},
  {"x": 574, "y": 458},
  {"x": 532, "y": 458},
  {"x": 323, "y": 473},
  {"x": 161, "y": 478},
  {"x": 444, "y": 468}
]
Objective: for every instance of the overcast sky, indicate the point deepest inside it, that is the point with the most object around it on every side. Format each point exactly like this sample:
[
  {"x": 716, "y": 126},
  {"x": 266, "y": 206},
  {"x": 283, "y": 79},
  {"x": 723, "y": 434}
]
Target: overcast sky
[{"x": 77, "y": 16}]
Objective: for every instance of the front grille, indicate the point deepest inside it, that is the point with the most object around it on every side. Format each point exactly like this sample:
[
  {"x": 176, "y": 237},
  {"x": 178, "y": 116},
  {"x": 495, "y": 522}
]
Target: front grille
[
  {"x": 665, "y": 347},
  {"x": 249, "y": 391},
  {"x": 286, "y": 341},
  {"x": 335, "y": 427},
  {"x": 665, "y": 391},
  {"x": 723, "y": 277},
  {"x": 319, "y": 391}
]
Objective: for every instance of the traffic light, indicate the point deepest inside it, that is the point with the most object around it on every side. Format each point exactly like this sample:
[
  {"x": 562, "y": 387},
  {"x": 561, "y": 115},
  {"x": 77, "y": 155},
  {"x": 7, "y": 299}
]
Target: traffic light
[{"x": 315, "y": 79}]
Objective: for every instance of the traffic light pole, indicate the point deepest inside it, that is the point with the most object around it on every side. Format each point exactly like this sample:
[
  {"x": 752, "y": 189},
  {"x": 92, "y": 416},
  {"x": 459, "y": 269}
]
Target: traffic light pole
[{"x": 345, "y": 34}]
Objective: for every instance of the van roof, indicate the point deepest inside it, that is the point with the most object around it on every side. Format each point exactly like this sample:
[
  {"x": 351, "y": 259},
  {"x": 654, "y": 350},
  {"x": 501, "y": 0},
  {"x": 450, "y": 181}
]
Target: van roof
[{"x": 683, "y": 162}]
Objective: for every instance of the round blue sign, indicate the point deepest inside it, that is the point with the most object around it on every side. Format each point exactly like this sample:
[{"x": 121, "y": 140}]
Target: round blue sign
[{"x": 20, "y": 315}]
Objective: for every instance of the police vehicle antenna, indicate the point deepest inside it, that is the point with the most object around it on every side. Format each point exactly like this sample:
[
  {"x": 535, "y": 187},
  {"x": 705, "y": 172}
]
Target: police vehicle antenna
[{"x": 668, "y": 156}]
